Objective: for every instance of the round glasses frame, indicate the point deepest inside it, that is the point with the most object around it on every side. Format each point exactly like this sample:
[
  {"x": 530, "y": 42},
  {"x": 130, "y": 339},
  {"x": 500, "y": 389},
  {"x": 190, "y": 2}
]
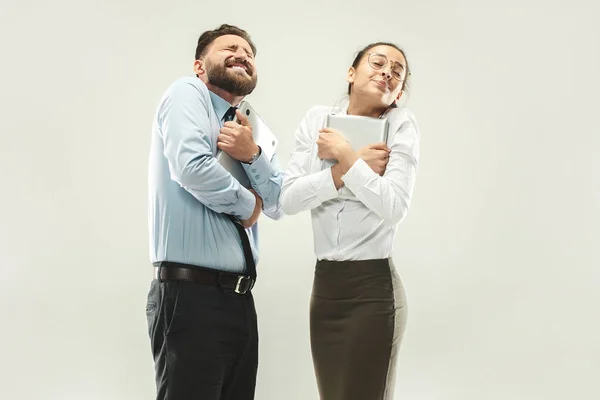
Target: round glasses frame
[{"x": 397, "y": 76}]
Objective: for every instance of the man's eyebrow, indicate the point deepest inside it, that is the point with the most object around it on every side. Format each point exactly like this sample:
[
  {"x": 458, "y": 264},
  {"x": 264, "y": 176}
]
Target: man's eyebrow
[{"x": 234, "y": 47}]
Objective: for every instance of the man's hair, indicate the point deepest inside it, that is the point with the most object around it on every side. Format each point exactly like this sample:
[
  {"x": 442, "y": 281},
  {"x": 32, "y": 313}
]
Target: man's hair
[{"x": 208, "y": 37}]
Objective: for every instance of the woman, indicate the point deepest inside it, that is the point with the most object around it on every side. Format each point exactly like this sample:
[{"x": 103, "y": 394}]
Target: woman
[{"x": 357, "y": 310}]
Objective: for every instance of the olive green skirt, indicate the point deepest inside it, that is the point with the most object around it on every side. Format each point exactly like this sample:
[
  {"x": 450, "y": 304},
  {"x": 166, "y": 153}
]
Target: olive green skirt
[{"x": 357, "y": 320}]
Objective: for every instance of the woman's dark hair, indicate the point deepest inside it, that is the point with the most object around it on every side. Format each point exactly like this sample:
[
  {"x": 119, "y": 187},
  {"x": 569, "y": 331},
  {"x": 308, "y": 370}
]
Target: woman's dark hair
[
  {"x": 208, "y": 37},
  {"x": 361, "y": 54}
]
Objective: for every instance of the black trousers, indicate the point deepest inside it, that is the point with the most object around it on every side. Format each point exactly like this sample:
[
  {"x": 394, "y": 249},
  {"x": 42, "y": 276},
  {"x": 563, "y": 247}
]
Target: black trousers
[{"x": 204, "y": 341}]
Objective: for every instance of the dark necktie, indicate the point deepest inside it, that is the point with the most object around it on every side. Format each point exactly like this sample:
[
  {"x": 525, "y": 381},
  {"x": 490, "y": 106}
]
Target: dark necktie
[
  {"x": 230, "y": 114},
  {"x": 250, "y": 265}
]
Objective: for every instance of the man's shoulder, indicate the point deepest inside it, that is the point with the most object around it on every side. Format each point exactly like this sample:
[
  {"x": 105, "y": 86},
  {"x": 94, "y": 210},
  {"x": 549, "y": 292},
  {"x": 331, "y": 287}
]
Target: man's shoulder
[
  {"x": 187, "y": 84},
  {"x": 184, "y": 90}
]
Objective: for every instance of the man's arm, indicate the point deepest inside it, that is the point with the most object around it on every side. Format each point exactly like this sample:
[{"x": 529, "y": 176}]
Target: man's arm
[
  {"x": 266, "y": 177},
  {"x": 185, "y": 131}
]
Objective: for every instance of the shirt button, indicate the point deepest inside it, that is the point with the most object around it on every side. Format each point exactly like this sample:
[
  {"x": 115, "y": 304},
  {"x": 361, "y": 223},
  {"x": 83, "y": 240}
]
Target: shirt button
[
  {"x": 257, "y": 176},
  {"x": 253, "y": 169},
  {"x": 266, "y": 199}
]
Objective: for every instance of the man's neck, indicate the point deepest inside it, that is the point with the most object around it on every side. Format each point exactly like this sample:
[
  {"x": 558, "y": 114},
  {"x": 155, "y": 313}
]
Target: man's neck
[{"x": 228, "y": 97}]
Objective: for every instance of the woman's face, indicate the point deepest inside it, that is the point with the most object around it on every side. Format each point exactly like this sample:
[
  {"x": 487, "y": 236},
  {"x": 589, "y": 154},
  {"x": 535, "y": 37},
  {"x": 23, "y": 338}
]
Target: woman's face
[{"x": 379, "y": 76}]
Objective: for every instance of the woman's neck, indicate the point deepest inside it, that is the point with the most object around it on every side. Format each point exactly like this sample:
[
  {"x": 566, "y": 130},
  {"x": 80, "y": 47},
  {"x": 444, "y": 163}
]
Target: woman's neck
[{"x": 363, "y": 108}]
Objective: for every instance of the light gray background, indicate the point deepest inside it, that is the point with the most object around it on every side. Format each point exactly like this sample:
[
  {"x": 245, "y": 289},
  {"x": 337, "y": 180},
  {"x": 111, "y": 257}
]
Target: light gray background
[{"x": 499, "y": 252}]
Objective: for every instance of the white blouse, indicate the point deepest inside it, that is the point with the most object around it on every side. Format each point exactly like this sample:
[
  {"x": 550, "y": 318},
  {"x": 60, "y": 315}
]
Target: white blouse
[{"x": 358, "y": 221}]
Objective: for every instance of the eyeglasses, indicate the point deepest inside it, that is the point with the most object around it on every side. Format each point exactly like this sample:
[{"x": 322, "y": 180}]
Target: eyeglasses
[{"x": 379, "y": 61}]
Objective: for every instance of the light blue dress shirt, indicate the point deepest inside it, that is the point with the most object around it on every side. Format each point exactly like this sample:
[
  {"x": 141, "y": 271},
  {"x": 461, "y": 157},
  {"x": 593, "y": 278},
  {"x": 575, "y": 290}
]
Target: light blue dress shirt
[{"x": 190, "y": 193}]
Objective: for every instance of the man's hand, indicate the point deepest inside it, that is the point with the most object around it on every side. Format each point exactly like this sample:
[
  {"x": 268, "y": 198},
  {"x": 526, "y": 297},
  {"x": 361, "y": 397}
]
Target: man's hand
[
  {"x": 247, "y": 223},
  {"x": 331, "y": 144},
  {"x": 376, "y": 156},
  {"x": 236, "y": 139}
]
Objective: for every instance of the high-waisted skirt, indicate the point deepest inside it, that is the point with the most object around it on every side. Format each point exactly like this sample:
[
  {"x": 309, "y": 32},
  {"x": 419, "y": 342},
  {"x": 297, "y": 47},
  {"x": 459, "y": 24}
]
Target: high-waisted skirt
[{"x": 357, "y": 320}]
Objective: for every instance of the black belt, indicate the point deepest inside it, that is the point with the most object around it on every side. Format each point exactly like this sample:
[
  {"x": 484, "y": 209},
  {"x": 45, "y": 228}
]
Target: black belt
[
  {"x": 168, "y": 271},
  {"x": 250, "y": 265},
  {"x": 241, "y": 284}
]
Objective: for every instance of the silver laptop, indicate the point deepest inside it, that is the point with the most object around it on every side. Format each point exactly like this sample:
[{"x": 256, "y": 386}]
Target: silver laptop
[
  {"x": 359, "y": 131},
  {"x": 263, "y": 137}
]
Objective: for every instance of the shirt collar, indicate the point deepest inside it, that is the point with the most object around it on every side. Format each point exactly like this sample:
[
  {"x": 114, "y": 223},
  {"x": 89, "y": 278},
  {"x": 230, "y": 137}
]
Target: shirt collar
[
  {"x": 344, "y": 111},
  {"x": 219, "y": 104}
]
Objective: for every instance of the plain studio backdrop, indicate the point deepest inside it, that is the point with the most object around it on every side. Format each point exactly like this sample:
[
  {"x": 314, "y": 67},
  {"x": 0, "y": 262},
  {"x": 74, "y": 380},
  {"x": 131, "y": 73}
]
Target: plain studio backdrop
[{"x": 498, "y": 254}]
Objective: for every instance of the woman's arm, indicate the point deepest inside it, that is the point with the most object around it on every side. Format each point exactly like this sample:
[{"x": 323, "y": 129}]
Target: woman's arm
[
  {"x": 302, "y": 190},
  {"x": 388, "y": 195}
]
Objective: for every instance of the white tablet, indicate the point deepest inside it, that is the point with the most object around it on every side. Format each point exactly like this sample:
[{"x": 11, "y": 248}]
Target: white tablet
[{"x": 263, "y": 137}]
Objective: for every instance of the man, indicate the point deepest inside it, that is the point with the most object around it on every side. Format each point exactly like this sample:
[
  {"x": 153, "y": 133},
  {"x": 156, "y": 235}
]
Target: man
[{"x": 202, "y": 222}]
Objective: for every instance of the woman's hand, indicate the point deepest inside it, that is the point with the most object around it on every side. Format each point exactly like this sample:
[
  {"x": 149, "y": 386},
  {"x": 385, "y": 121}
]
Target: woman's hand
[
  {"x": 376, "y": 155},
  {"x": 332, "y": 145}
]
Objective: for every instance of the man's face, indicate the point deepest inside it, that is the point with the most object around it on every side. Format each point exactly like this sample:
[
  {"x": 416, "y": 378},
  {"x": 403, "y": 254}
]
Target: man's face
[{"x": 229, "y": 65}]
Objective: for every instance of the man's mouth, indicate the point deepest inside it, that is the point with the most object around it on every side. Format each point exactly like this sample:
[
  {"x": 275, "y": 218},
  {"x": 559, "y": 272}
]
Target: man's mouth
[{"x": 239, "y": 67}]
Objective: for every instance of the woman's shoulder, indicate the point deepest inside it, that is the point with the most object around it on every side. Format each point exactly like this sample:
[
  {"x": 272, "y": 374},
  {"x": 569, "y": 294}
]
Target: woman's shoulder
[
  {"x": 402, "y": 117},
  {"x": 400, "y": 114},
  {"x": 318, "y": 112}
]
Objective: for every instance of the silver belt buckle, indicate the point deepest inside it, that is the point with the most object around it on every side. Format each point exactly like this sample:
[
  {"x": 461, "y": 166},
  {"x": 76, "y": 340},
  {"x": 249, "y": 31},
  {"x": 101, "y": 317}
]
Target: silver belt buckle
[{"x": 242, "y": 278}]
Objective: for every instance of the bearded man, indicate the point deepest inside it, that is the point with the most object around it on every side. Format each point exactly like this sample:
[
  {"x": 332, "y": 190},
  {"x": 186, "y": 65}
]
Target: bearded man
[{"x": 203, "y": 226}]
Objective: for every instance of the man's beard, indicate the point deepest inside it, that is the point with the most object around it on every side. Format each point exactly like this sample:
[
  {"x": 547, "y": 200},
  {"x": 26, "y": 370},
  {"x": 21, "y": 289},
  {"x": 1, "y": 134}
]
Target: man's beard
[{"x": 219, "y": 76}]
